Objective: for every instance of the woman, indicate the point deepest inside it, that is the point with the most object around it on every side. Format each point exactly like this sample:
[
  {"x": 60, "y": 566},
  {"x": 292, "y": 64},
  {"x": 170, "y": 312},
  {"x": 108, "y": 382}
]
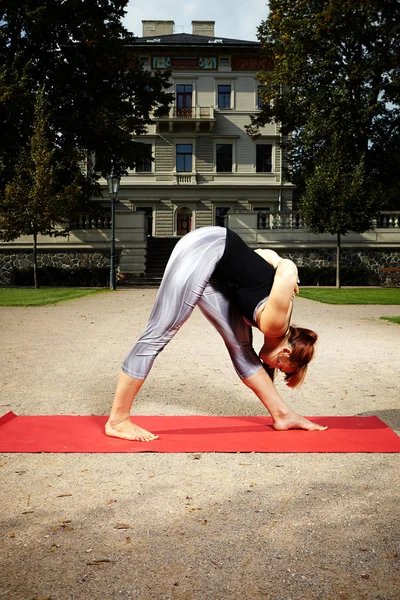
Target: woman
[{"x": 248, "y": 289}]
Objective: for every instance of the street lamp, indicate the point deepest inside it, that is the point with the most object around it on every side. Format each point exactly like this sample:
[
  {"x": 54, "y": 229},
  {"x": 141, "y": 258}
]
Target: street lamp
[{"x": 113, "y": 189}]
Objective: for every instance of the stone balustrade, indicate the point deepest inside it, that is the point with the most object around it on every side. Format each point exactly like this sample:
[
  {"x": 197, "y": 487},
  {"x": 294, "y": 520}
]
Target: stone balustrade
[
  {"x": 285, "y": 229},
  {"x": 293, "y": 220}
]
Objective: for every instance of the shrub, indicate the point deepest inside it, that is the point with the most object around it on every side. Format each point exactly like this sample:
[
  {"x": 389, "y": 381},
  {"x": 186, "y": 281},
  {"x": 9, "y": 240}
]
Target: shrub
[
  {"x": 57, "y": 277},
  {"x": 349, "y": 276}
]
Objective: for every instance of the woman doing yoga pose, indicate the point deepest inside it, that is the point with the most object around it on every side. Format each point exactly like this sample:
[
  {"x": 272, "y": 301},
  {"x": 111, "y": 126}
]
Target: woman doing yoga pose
[{"x": 236, "y": 288}]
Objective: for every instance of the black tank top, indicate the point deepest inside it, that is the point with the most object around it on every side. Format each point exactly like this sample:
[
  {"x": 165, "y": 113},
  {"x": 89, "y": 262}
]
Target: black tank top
[{"x": 248, "y": 276}]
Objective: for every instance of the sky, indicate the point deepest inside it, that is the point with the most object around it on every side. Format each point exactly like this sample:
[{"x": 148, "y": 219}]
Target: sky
[{"x": 236, "y": 19}]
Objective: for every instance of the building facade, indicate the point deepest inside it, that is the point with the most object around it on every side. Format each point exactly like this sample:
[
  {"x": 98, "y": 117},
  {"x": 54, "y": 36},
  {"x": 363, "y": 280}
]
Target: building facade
[
  {"x": 202, "y": 169},
  {"x": 204, "y": 163}
]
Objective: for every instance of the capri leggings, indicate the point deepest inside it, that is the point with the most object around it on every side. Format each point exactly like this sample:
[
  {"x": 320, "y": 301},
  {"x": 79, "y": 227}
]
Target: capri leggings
[{"x": 185, "y": 284}]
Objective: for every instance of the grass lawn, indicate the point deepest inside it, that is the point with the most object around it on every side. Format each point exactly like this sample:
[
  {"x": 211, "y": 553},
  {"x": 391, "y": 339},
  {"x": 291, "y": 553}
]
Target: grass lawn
[
  {"x": 42, "y": 296},
  {"x": 392, "y": 319},
  {"x": 353, "y": 295}
]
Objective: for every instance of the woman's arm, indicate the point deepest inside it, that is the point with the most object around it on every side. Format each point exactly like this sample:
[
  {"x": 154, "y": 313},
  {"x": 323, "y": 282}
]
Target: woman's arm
[
  {"x": 269, "y": 255},
  {"x": 226, "y": 319},
  {"x": 273, "y": 319}
]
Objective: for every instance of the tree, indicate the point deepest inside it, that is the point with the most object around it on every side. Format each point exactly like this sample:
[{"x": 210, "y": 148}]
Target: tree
[
  {"x": 35, "y": 201},
  {"x": 335, "y": 90},
  {"x": 98, "y": 93}
]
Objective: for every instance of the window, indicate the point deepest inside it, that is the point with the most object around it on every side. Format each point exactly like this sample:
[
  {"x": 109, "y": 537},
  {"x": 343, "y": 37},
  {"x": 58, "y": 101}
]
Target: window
[
  {"x": 224, "y": 96},
  {"x": 144, "y": 164},
  {"x": 224, "y": 158},
  {"x": 264, "y": 158},
  {"x": 220, "y": 215},
  {"x": 225, "y": 61},
  {"x": 184, "y": 100},
  {"x": 184, "y": 158},
  {"x": 260, "y": 91}
]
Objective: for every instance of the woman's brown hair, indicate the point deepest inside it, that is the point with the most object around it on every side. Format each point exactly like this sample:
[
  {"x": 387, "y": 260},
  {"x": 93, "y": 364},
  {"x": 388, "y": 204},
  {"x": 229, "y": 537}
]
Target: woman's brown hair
[{"x": 302, "y": 343}]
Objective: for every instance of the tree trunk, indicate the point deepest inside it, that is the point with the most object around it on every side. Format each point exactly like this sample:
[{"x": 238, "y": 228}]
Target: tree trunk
[
  {"x": 338, "y": 262},
  {"x": 35, "y": 269}
]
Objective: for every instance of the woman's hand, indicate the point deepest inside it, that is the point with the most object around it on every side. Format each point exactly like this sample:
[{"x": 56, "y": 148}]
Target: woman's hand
[{"x": 269, "y": 255}]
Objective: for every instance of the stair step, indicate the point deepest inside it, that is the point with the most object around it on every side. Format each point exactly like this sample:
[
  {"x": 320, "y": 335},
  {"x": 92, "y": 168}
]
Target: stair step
[{"x": 158, "y": 252}]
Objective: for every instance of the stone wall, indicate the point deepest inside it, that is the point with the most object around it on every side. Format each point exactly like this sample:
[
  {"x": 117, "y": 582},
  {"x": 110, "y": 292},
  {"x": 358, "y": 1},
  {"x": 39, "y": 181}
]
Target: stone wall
[
  {"x": 350, "y": 257},
  {"x": 321, "y": 257},
  {"x": 369, "y": 260},
  {"x": 70, "y": 261}
]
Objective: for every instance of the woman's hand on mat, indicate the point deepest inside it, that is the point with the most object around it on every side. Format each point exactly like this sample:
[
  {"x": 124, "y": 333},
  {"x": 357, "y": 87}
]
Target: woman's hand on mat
[
  {"x": 294, "y": 421},
  {"x": 126, "y": 430}
]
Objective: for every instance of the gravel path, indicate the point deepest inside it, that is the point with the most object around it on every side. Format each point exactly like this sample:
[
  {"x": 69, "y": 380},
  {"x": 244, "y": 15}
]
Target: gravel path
[{"x": 196, "y": 527}]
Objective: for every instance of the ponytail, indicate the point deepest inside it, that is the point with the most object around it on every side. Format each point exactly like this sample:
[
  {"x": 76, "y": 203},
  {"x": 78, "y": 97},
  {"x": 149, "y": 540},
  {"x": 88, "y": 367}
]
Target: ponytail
[{"x": 302, "y": 343}]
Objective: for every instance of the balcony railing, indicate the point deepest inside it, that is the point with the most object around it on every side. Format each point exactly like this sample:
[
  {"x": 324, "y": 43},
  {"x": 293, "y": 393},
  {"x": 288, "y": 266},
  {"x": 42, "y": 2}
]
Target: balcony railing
[
  {"x": 387, "y": 220},
  {"x": 293, "y": 220},
  {"x": 280, "y": 220},
  {"x": 184, "y": 179},
  {"x": 194, "y": 112},
  {"x": 85, "y": 221}
]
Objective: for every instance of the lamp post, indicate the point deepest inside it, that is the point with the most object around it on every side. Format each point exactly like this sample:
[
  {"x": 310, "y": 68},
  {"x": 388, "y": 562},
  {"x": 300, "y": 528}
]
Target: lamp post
[{"x": 113, "y": 189}]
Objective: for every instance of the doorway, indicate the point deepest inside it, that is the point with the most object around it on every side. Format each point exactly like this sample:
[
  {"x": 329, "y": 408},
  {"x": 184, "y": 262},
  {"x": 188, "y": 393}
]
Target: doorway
[
  {"x": 148, "y": 221},
  {"x": 183, "y": 221}
]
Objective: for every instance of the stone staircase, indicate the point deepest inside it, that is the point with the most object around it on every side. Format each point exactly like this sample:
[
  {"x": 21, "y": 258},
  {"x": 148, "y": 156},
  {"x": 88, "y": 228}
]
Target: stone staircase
[{"x": 158, "y": 252}]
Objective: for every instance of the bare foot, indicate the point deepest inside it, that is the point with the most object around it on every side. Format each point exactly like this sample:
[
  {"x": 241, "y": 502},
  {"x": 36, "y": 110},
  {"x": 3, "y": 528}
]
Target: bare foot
[
  {"x": 295, "y": 421},
  {"x": 126, "y": 430}
]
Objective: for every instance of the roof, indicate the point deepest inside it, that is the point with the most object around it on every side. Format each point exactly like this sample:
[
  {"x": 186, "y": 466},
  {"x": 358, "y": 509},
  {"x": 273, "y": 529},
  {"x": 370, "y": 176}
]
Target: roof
[{"x": 190, "y": 40}]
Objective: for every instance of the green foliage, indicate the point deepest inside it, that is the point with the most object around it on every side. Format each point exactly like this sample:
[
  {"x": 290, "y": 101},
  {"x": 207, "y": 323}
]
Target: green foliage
[
  {"x": 391, "y": 319},
  {"x": 98, "y": 94},
  {"x": 336, "y": 198},
  {"x": 25, "y": 297},
  {"x": 335, "y": 90},
  {"x": 30, "y": 204},
  {"x": 326, "y": 276},
  {"x": 353, "y": 296},
  {"x": 59, "y": 277},
  {"x": 39, "y": 198}
]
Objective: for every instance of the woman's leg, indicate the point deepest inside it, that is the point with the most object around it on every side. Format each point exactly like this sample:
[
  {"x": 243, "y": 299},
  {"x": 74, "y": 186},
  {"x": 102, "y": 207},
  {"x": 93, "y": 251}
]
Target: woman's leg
[
  {"x": 186, "y": 276},
  {"x": 219, "y": 309}
]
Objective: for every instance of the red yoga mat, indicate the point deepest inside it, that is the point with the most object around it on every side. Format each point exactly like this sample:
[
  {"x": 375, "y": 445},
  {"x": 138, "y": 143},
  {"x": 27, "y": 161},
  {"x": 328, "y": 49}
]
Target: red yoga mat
[{"x": 65, "y": 433}]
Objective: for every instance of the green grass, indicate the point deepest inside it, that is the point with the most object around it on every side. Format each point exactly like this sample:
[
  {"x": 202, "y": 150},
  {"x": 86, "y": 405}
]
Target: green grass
[
  {"x": 392, "y": 319},
  {"x": 353, "y": 295},
  {"x": 42, "y": 296}
]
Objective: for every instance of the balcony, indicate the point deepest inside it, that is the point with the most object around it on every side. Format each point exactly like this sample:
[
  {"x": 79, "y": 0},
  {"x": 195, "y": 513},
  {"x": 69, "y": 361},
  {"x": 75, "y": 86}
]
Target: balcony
[
  {"x": 184, "y": 178},
  {"x": 197, "y": 115}
]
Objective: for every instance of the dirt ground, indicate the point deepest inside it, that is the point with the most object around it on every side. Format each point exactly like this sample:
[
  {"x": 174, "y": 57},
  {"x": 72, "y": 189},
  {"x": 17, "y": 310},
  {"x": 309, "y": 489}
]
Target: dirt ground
[{"x": 196, "y": 526}]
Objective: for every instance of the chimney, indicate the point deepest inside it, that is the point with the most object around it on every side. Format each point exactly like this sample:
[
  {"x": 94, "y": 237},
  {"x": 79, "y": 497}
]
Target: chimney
[
  {"x": 203, "y": 28},
  {"x": 152, "y": 28}
]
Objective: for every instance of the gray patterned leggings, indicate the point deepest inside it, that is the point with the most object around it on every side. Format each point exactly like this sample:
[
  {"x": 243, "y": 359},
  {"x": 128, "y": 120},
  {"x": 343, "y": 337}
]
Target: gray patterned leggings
[{"x": 185, "y": 284}]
